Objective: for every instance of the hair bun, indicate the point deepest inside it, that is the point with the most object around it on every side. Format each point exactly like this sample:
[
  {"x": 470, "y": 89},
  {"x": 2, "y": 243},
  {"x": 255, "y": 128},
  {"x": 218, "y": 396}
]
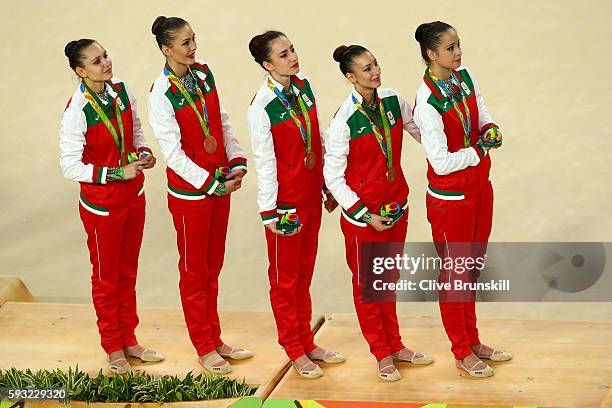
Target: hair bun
[
  {"x": 158, "y": 24},
  {"x": 69, "y": 48},
  {"x": 420, "y": 31},
  {"x": 338, "y": 52}
]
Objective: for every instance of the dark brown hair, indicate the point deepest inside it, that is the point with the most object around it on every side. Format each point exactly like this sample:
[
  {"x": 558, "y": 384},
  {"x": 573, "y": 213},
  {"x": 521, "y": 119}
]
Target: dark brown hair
[
  {"x": 74, "y": 51},
  {"x": 345, "y": 55},
  {"x": 164, "y": 28},
  {"x": 259, "y": 46},
  {"x": 428, "y": 35}
]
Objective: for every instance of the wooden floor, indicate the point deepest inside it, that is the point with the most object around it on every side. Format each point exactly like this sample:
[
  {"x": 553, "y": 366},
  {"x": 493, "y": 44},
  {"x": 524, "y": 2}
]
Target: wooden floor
[
  {"x": 556, "y": 363},
  {"x": 50, "y": 336}
]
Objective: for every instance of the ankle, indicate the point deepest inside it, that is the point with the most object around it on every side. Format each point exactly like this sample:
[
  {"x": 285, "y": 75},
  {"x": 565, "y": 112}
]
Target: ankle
[
  {"x": 116, "y": 355},
  {"x": 304, "y": 362},
  {"x": 317, "y": 352}
]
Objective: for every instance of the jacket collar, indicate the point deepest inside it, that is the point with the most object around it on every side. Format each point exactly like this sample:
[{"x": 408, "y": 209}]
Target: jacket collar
[{"x": 280, "y": 87}]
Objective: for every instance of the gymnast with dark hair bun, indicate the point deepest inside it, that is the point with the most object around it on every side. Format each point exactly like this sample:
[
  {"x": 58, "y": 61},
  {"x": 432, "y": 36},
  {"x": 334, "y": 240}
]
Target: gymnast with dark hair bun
[
  {"x": 288, "y": 151},
  {"x": 458, "y": 135},
  {"x": 102, "y": 146},
  {"x": 205, "y": 165},
  {"x": 363, "y": 172}
]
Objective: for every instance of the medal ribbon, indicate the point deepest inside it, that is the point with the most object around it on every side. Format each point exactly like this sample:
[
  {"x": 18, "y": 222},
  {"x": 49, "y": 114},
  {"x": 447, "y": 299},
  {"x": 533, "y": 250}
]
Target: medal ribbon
[
  {"x": 119, "y": 139},
  {"x": 384, "y": 142},
  {"x": 306, "y": 134},
  {"x": 466, "y": 121},
  {"x": 177, "y": 82}
]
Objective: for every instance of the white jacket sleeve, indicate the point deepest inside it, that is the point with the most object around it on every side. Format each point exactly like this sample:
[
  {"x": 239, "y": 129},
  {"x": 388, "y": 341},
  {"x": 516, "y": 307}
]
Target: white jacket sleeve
[
  {"x": 408, "y": 120},
  {"x": 265, "y": 163},
  {"x": 168, "y": 135},
  {"x": 72, "y": 143},
  {"x": 139, "y": 139},
  {"x": 235, "y": 155},
  {"x": 434, "y": 142},
  {"x": 336, "y": 159}
]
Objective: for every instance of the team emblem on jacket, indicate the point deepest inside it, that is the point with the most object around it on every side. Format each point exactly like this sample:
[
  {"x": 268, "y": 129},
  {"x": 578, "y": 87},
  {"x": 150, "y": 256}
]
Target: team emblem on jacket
[
  {"x": 307, "y": 100},
  {"x": 120, "y": 103},
  {"x": 391, "y": 118},
  {"x": 207, "y": 87},
  {"x": 465, "y": 88}
]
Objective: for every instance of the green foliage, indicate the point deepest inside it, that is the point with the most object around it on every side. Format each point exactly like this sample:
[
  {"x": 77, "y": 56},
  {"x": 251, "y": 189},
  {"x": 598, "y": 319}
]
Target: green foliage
[{"x": 133, "y": 387}]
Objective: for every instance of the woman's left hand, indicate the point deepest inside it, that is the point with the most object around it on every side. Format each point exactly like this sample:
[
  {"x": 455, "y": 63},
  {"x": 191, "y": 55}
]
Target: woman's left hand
[
  {"x": 149, "y": 162},
  {"x": 236, "y": 175},
  {"x": 330, "y": 202}
]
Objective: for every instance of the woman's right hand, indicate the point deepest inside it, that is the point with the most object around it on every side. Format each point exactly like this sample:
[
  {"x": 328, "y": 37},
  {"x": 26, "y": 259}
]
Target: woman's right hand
[
  {"x": 233, "y": 185},
  {"x": 272, "y": 227},
  {"x": 132, "y": 169},
  {"x": 377, "y": 222}
]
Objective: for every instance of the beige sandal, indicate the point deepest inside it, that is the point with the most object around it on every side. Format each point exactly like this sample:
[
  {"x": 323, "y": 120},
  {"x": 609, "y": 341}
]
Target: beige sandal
[
  {"x": 496, "y": 355},
  {"x": 236, "y": 353},
  {"x": 394, "y": 376},
  {"x": 209, "y": 361},
  {"x": 147, "y": 355},
  {"x": 424, "y": 359},
  {"x": 314, "y": 373},
  {"x": 480, "y": 373},
  {"x": 115, "y": 368},
  {"x": 330, "y": 357}
]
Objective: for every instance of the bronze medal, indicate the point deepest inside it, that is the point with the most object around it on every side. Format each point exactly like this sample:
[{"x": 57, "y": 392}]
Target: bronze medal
[
  {"x": 310, "y": 160},
  {"x": 123, "y": 160},
  {"x": 210, "y": 145},
  {"x": 392, "y": 175}
]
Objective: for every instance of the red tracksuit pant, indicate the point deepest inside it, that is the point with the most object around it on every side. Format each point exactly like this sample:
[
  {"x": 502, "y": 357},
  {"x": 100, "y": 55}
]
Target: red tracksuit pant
[
  {"x": 291, "y": 266},
  {"x": 201, "y": 228},
  {"x": 378, "y": 320},
  {"x": 460, "y": 222},
  {"x": 114, "y": 246}
]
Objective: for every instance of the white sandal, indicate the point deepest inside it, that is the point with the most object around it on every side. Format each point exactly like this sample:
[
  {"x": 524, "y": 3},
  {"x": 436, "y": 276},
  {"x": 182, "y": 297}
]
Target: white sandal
[
  {"x": 209, "y": 363},
  {"x": 114, "y": 368},
  {"x": 236, "y": 353},
  {"x": 480, "y": 373},
  {"x": 496, "y": 355},
  {"x": 330, "y": 357},
  {"x": 314, "y": 373},
  {"x": 394, "y": 376},
  {"x": 424, "y": 359},
  {"x": 147, "y": 355}
]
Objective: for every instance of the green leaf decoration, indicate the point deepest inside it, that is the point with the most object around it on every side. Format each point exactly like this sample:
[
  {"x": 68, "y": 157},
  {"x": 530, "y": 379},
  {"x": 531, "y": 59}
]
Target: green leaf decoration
[{"x": 133, "y": 387}]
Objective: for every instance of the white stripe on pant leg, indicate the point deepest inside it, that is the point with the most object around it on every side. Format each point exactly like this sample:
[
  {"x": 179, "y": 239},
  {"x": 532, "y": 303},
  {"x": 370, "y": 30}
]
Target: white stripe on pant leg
[
  {"x": 357, "y": 249},
  {"x": 185, "y": 242},
  {"x": 448, "y": 252},
  {"x": 98, "y": 254},
  {"x": 276, "y": 255}
]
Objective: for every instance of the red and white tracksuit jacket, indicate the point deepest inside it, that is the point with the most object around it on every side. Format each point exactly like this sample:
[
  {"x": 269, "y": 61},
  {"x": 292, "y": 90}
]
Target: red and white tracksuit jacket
[
  {"x": 459, "y": 197},
  {"x": 355, "y": 173},
  {"x": 200, "y": 218},
  {"x": 113, "y": 212},
  {"x": 286, "y": 185}
]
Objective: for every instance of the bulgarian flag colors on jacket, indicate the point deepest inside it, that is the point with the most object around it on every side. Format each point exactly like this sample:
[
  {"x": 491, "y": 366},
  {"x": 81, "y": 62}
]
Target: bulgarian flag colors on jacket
[
  {"x": 88, "y": 149},
  {"x": 355, "y": 166},
  {"x": 279, "y": 150},
  {"x": 176, "y": 126},
  {"x": 454, "y": 169}
]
